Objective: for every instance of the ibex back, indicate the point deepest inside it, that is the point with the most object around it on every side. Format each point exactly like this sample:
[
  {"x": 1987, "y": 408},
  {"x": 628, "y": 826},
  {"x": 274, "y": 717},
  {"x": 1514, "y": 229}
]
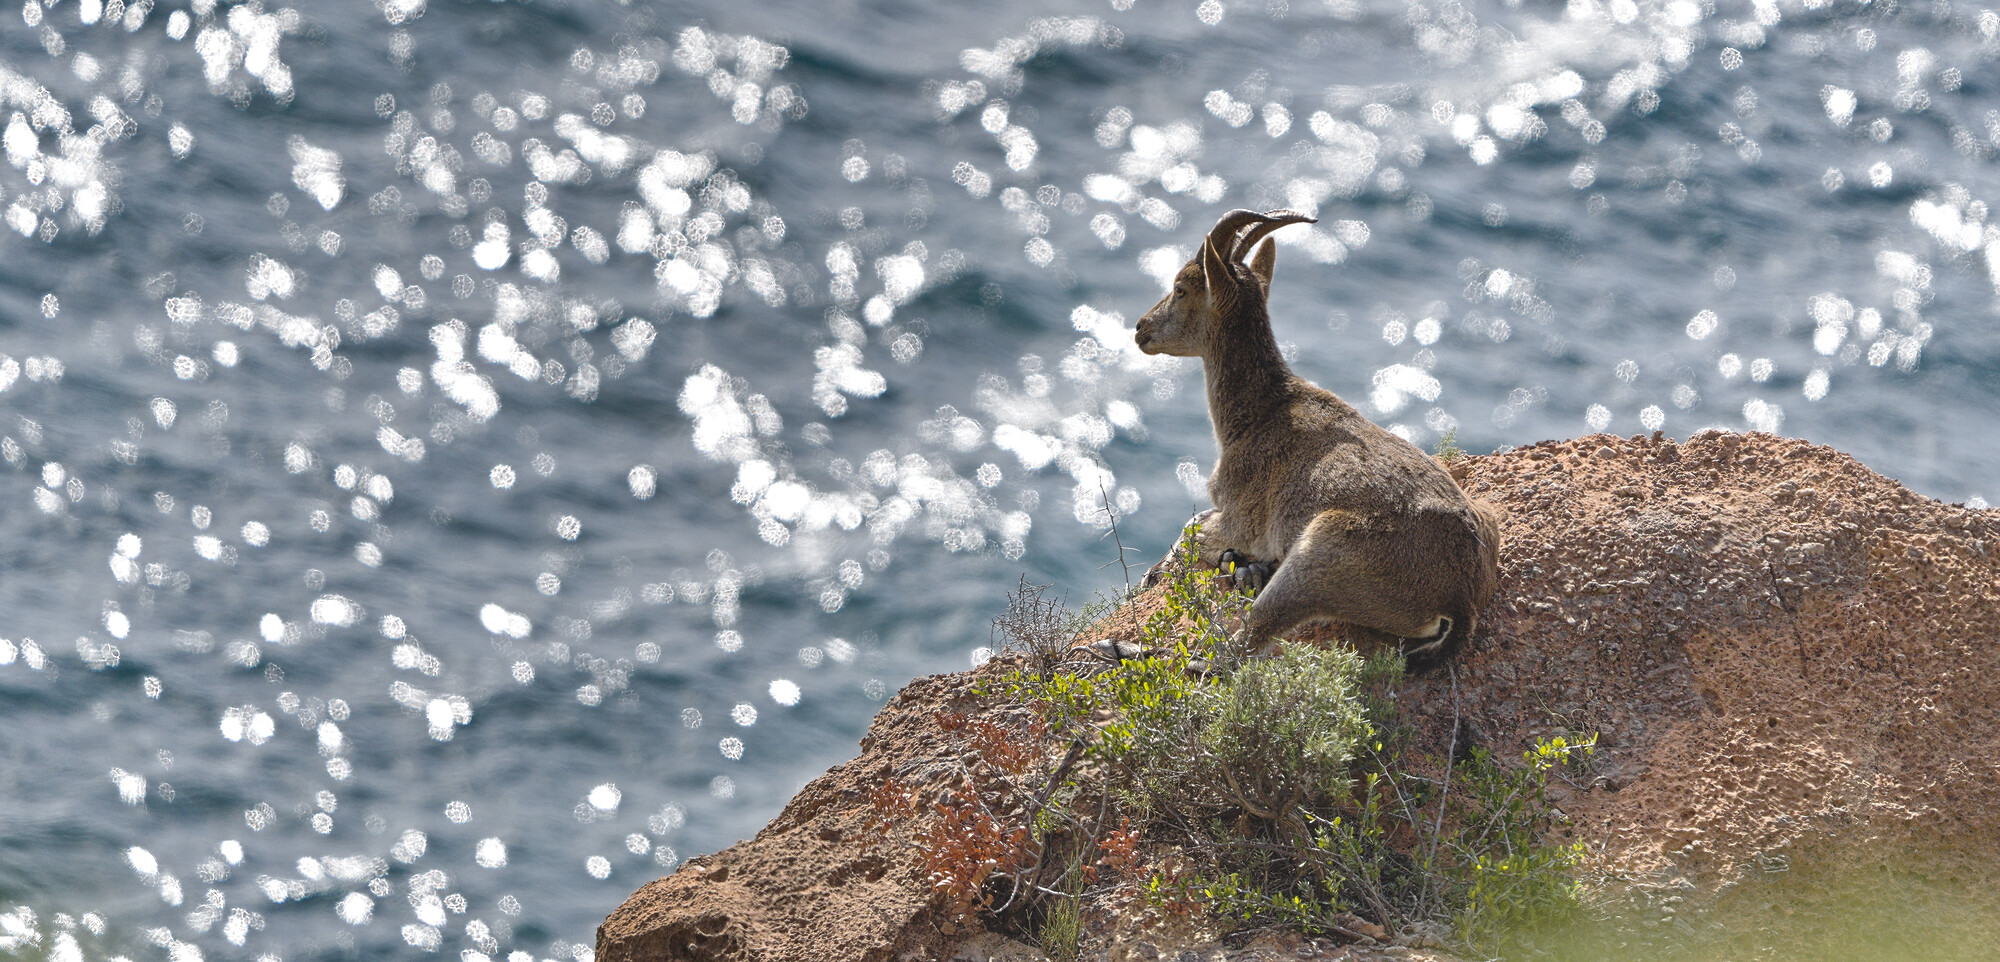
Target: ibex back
[{"x": 1351, "y": 524}]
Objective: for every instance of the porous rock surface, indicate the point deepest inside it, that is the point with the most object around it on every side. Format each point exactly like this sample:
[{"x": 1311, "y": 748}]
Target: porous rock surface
[{"x": 1793, "y": 664}]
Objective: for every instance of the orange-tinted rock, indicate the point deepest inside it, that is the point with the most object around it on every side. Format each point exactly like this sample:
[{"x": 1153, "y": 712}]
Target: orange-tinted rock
[{"x": 808, "y": 884}]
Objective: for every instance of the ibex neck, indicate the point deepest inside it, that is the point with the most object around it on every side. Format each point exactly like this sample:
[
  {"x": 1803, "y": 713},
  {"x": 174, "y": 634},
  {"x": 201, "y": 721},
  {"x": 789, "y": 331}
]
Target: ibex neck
[{"x": 1246, "y": 377}]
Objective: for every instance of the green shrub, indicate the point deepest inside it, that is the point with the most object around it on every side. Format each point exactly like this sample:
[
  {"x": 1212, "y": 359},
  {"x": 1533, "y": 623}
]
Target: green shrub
[
  {"x": 1447, "y": 447},
  {"x": 1282, "y": 730},
  {"x": 1514, "y": 880}
]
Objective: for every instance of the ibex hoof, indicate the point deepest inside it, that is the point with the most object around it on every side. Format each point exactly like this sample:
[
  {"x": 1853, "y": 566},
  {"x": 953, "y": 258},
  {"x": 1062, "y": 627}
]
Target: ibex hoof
[
  {"x": 1117, "y": 650},
  {"x": 1244, "y": 574}
]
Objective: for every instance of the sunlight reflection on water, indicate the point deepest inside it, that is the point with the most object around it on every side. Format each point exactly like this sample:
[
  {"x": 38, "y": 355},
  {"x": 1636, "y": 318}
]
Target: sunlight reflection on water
[{"x": 476, "y": 412}]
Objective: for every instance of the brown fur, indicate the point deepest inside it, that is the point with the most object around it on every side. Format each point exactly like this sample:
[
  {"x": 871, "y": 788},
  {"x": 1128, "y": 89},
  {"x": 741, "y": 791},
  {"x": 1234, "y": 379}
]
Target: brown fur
[{"x": 1362, "y": 527}]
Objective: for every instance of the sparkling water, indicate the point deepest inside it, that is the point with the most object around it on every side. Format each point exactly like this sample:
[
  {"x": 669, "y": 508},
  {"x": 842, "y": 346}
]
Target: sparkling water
[{"x": 462, "y": 459}]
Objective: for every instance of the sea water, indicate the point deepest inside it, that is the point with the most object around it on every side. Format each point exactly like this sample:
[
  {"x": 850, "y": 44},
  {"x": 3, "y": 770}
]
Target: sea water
[{"x": 462, "y": 459}]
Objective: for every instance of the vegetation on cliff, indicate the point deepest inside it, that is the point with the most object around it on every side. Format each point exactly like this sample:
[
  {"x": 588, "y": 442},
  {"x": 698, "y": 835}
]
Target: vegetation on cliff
[{"x": 1273, "y": 790}]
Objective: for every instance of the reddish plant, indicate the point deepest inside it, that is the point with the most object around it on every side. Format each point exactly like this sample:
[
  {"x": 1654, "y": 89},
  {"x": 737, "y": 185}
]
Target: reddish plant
[
  {"x": 965, "y": 845},
  {"x": 962, "y": 844},
  {"x": 1121, "y": 852},
  {"x": 1005, "y": 749}
]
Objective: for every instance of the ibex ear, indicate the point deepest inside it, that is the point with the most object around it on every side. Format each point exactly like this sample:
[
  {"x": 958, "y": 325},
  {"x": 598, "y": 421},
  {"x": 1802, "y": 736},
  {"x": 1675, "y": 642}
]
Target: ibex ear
[
  {"x": 1216, "y": 277},
  {"x": 1263, "y": 262}
]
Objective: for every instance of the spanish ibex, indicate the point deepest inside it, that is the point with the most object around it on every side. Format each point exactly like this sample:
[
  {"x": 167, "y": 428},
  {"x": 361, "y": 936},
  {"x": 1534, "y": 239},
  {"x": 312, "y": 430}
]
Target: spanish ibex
[{"x": 1351, "y": 524}]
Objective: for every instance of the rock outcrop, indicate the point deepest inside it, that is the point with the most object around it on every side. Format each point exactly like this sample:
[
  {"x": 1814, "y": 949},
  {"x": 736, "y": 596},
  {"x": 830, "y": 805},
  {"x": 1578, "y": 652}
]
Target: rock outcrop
[
  {"x": 1793, "y": 664},
  {"x": 812, "y": 881}
]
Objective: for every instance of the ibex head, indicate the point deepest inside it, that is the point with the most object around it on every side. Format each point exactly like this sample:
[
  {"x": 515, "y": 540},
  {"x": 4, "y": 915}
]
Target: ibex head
[{"x": 1214, "y": 287}]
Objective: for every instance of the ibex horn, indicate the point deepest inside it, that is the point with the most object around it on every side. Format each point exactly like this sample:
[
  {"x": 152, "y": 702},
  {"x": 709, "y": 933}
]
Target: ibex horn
[
  {"x": 1268, "y": 223},
  {"x": 1223, "y": 236}
]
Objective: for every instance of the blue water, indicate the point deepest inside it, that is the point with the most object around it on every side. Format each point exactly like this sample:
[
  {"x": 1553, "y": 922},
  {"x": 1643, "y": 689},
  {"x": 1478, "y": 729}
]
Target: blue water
[{"x": 462, "y": 459}]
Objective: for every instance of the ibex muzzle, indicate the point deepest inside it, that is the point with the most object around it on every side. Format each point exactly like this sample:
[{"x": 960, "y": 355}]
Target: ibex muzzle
[{"x": 1354, "y": 525}]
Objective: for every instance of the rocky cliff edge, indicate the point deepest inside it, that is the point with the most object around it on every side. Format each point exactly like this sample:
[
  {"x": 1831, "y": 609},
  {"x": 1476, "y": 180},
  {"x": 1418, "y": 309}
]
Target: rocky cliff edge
[{"x": 1793, "y": 664}]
